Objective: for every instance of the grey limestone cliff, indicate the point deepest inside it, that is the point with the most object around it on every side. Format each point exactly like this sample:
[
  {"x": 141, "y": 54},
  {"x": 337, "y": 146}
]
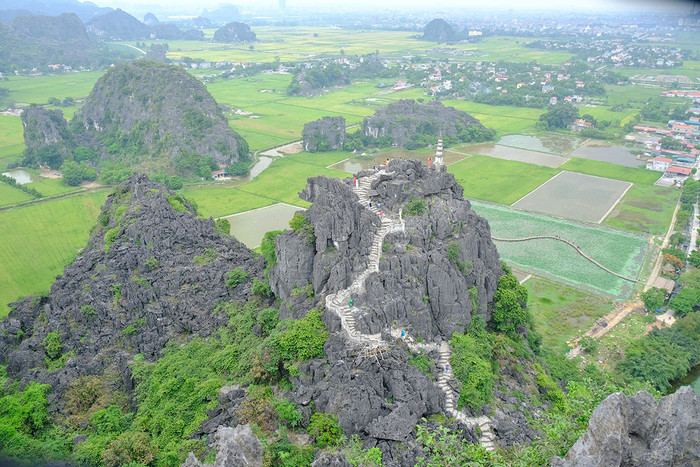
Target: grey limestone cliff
[
  {"x": 640, "y": 431},
  {"x": 417, "y": 287},
  {"x": 324, "y": 134},
  {"x": 151, "y": 272}
]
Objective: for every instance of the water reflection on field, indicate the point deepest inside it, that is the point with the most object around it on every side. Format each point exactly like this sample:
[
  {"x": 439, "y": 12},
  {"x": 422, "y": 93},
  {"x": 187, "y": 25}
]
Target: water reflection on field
[
  {"x": 21, "y": 176},
  {"x": 546, "y": 142},
  {"x": 249, "y": 227},
  {"x": 515, "y": 154},
  {"x": 600, "y": 151},
  {"x": 358, "y": 163}
]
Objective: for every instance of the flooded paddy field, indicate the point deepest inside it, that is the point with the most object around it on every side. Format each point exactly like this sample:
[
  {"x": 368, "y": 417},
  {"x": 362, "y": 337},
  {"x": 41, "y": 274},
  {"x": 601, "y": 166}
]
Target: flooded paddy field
[
  {"x": 358, "y": 163},
  {"x": 552, "y": 143},
  {"x": 575, "y": 196},
  {"x": 515, "y": 154},
  {"x": 249, "y": 227},
  {"x": 600, "y": 151}
]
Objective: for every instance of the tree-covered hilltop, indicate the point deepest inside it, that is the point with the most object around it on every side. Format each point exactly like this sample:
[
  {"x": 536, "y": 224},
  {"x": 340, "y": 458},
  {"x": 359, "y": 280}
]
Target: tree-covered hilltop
[
  {"x": 38, "y": 41},
  {"x": 412, "y": 125},
  {"x": 139, "y": 114}
]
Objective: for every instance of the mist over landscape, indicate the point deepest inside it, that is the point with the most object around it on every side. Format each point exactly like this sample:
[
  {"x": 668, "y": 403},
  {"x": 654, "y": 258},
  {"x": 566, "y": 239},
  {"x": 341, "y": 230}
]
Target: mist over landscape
[{"x": 302, "y": 233}]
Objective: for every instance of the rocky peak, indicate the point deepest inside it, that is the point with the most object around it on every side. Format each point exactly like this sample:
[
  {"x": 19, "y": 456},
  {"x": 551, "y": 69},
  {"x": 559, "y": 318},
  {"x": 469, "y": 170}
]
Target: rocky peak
[
  {"x": 420, "y": 285},
  {"x": 152, "y": 271},
  {"x": 638, "y": 430},
  {"x": 171, "y": 111},
  {"x": 324, "y": 134}
]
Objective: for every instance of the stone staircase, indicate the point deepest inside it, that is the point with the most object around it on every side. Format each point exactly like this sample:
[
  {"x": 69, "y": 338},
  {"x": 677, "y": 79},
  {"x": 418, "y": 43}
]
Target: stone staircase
[{"x": 339, "y": 303}]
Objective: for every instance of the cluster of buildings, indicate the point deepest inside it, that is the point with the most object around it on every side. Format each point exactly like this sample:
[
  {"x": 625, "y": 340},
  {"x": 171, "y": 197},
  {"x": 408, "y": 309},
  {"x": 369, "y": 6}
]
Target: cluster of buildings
[
  {"x": 620, "y": 54},
  {"x": 679, "y": 161}
]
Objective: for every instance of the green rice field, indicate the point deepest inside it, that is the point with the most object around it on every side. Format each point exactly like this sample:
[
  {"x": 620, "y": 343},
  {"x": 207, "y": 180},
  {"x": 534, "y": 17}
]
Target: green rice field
[
  {"x": 498, "y": 180},
  {"x": 44, "y": 238},
  {"x": 38, "y": 89},
  {"x": 10, "y": 195},
  {"x": 280, "y": 182},
  {"x": 636, "y": 175},
  {"x": 11, "y": 139},
  {"x": 622, "y": 252}
]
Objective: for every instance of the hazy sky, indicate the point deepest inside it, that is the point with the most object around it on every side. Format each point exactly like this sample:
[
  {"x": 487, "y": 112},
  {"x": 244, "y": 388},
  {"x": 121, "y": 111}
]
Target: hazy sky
[{"x": 196, "y": 7}]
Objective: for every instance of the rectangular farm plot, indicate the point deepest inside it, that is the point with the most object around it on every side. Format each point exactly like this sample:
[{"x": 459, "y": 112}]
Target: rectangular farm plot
[
  {"x": 621, "y": 252},
  {"x": 515, "y": 154},
  {"x": 576, "y": 196}
]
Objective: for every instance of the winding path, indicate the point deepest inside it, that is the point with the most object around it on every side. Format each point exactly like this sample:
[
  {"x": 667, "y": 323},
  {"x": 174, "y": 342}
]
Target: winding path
[
  {"x": 575, "y": 246},
  {"x": 339, "y": 304}
]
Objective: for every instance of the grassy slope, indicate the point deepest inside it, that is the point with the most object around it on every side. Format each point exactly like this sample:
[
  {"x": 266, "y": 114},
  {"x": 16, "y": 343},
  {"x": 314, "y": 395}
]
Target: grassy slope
[
  {"x": 497, "y": 180},
  {"x": 42, "y": 241},
  {"x": 561, "y": 313}
]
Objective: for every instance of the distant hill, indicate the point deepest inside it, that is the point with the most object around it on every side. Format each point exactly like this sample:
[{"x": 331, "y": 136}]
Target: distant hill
[
  {"x": 150, "y": 19},
  {"x": 118, "y": 24},
  {"x": 223, "y": 14},
  {"x": 10, "y": 9},
  {"x": 235, "y": 32},
  {"x": 438, "y": 30},
  {"x": 148, "y": 115},
  {"x": 37, "y": 41}
]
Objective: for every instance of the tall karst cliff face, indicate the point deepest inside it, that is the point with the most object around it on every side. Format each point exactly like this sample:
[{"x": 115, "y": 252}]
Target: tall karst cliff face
[
  {"x": 432, "y": 277},
  {"x": 164, "y": 112},
  {"x": 414, "y": 278},
  {"x": 151, "y": 271}
]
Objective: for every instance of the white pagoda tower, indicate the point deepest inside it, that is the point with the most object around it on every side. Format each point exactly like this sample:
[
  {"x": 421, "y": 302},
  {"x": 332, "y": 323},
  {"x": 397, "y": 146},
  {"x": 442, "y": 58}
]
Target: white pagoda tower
[{"x": 438, "y": 153}]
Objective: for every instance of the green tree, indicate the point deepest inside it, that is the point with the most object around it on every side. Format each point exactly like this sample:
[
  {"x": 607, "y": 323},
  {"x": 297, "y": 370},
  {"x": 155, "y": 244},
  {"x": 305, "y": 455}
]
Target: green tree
[
  {"x": 694, "y": 258},
  {"x": 222, "y": 226},
  {"x": 559, "y": 115},
  {"x": 325, "y": 429},
  {"x": 686, "y": 300},
  {"x": 653, "y": 298}
]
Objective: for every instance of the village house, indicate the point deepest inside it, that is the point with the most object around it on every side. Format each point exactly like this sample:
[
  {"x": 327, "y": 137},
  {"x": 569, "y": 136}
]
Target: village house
[{"x": 660, "y": 164}]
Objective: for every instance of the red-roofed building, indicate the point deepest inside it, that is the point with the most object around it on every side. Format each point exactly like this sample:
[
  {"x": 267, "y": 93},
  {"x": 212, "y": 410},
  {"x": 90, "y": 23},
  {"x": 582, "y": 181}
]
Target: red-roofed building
[
  {"x": 660, "y": 164},
  {"x": 678, "y": 171}
]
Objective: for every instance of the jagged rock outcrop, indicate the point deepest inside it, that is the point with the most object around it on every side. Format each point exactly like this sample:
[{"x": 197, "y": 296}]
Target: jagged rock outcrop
[
  {"x": 417, "y": 287},
  {"x": 164, "y": 110},
  {"x": 118, "y": 24},
  {"x": 47, "y": 129},
  {"x": 640, "y": 431},
  {"x": 151, "y": 271},
  {"x": 237, "y": 447},
  {"x": 406, "y": 120},
  {"x": 438, "y": 30},
  {"x": 325, "y": 134},
  {"x": 235, "y": 32}
]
